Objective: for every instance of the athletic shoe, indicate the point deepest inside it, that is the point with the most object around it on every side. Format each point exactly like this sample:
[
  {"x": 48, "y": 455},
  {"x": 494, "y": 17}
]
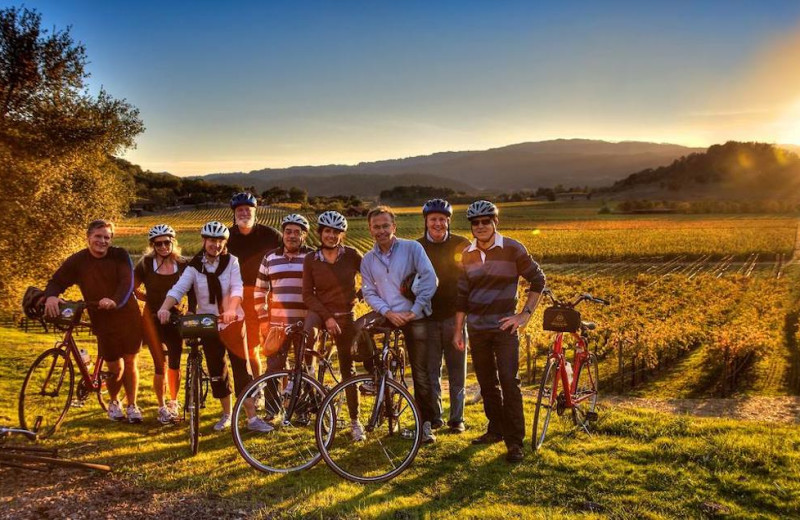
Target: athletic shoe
[
  {"x": 515, "y": 454},
  {"x": 134, "y": 414},
  {"x": 174, "y": 408},
  {"x": 257, "y": 424},
  {"x": 357, "y": 431},
  {"x": 457, "y": 427},
  {"x": 488, "y": 438},
  {"x": 438, "y": 423},
  {"x": 223, "y": 423},
  {"x": 115, "y": 411},
  {"x": 368, "y": 388},
  {"x": 427, "y": 435},
  {"x": 165, "y": 416}
]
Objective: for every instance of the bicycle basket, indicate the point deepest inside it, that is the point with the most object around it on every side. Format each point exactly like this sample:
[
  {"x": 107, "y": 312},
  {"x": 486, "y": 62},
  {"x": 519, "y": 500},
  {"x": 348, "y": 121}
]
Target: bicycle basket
[
  {"x": 68, "y": 313},
  {"x": 561, "y": 319},
  {"x": 33, "y": 303},
  {"x": 198, "y": 326}
]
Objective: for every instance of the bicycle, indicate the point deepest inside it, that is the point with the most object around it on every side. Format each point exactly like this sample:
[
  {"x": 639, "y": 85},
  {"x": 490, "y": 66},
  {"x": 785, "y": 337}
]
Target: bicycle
[
  {"x": 391, "y": 418},
  {"x": 291, "y": 400},
  {"x": 193, "y": 329},
  {"x": 49, "y": 385},
  {"x": 581, "y": 394},
  {"x": 34, "y": 458}
]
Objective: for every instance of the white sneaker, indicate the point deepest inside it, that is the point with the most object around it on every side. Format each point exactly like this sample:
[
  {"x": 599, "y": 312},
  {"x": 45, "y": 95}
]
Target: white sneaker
[
  {"x": 223, "y": 423},
  {"x": 427, "y": 435},
  {"x": 134, "y": 414},
  {"x": 165, "y": 416},
  {"x": 357, "y": 431},
  {"x": 257, "y": 424},
  {"x": 115, "y": 411},
  {"x": 174, "y": 407}
]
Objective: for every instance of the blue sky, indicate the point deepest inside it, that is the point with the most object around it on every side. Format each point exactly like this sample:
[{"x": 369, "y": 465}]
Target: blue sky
[{"x": 267, "y": 84}]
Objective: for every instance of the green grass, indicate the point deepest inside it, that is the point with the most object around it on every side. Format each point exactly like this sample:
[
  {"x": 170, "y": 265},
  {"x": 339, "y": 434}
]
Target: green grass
[{"x": 640, "y": 464}]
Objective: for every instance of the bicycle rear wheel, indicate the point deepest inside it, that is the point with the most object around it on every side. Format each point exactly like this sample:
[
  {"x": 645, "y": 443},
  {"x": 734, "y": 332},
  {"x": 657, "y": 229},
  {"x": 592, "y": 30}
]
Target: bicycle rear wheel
[
  {"x": 390, "y": 445},
  {"x": 545, "y": 403},
  {"x": 291, "y": 411},
  {"x": 193, "y": 401},
  {"x": 46, "y": 392},
  {"x": 585, "y": 397}
]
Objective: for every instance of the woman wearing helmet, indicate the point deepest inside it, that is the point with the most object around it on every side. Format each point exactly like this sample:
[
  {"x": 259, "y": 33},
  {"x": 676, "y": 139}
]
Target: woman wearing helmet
[
  {"x": 444, "y": 250},
  {"x": 159, "y": 269},
  {"x": 487, "y": 300},
  {"x": 215, "y": 277},
  {"x": 250, "y": 242},
  {"x": 329, "y": 291},
  {"x": 280, "y": 281}
]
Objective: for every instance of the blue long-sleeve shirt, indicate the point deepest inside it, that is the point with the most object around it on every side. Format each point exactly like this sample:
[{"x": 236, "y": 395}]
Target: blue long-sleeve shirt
[{"x": 382, "y": 275}]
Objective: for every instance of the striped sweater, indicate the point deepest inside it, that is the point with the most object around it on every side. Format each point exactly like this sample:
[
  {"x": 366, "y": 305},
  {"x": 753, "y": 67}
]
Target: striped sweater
[
  {"x": 279, "y": 287},
  {"x": 487, "y": 288}
]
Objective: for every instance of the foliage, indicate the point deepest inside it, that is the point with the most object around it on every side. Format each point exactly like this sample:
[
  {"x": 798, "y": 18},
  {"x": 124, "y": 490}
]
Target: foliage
[{"x": 55, "y": 143}]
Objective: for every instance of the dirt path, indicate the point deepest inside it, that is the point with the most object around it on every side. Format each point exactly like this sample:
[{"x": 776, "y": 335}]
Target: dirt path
[{"x": 772, "y": 409}]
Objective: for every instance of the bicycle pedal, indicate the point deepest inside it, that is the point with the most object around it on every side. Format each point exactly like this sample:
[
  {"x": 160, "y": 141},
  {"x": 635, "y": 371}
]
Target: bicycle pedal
[{"x": 591, "y": 416}]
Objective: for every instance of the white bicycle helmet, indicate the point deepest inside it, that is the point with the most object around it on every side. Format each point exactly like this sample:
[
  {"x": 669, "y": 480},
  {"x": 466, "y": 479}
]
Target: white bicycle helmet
[
  {"x": 481, "y": 208},
  {"x": 215, "y": 229},
  {"x": 294, "y": 218},
  {"x": 333, "y": 220},
  {"x": 161, "y": 230}
]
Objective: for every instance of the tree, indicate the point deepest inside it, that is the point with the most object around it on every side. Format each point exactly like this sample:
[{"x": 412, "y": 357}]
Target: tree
[
  {"x": 298, "y": 195},
  {"x": 56, "y": 148}
]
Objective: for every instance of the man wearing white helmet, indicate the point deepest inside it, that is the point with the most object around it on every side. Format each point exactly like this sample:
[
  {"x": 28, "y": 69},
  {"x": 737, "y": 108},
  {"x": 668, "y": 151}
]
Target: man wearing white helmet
[
  {"x": 159, "y": 269},
  {"x": 329, "y": 291},
  {"x": 279, "y": 289},
  {"x": 487, "y": 299},
  {"x": 249, "y": 242},
  {"x": 215, "y": 277}
]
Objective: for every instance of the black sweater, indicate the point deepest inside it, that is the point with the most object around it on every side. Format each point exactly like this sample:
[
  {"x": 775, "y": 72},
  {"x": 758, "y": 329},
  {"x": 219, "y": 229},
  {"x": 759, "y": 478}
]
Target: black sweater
[{"x": 446, "y": 259}]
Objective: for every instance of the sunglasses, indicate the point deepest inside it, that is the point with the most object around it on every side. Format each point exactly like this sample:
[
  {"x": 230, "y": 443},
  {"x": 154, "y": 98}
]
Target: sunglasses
[
  {"x": 480, "y": 222},
  {"x": 162, "y": 243}
]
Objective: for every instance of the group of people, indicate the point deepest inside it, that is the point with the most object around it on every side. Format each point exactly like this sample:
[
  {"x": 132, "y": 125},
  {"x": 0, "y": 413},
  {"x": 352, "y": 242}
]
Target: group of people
[{"x": 440, "y": 290}]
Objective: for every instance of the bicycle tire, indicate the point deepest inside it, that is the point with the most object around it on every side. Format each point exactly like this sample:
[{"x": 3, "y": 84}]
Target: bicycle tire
[
  {"x": 545, "y": 403},
  {"x": 42, "y": 413},
  {"x": 193, "y": 404},
  {"x": 291, "y": 446},
  {"x": 19, "y": 457},
  {"x": 585, "y": 392},
  {"x": 389, "y": 448}
]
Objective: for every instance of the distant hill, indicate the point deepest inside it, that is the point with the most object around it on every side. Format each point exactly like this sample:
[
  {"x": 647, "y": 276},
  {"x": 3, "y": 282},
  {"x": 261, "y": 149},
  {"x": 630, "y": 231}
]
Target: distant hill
[
  {"x": 570, "y": 162},
  {"x": 732, "y": 170}
]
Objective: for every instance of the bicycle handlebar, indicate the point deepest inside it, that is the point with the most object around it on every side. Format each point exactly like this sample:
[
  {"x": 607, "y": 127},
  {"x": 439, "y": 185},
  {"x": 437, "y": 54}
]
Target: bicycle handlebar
[
  {"x": 583, "y": 297},
  {"x": 27, "y": 433}
]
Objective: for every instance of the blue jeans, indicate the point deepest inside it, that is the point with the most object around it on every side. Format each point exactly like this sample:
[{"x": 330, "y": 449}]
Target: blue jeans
[
  {"x": 414, "y": 334},
  {"x": 440, "y": 344},
  {"x": 495, "y": 357}
]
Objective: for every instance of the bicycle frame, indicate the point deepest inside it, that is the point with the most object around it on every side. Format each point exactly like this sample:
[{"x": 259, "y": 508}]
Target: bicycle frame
[
  {"x": 300, "y": 350},
  {"x": 580, "y": 357},
  {"x": 390, "y": 349}
]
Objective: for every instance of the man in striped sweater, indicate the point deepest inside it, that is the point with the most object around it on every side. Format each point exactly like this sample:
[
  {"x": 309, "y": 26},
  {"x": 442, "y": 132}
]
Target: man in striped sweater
[
  {"x": 487, "y": 299},
  {"x": 279, "y": 290}
]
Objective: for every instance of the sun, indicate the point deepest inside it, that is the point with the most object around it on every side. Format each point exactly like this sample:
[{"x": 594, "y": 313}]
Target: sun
[{"x": 788, "y": 126}]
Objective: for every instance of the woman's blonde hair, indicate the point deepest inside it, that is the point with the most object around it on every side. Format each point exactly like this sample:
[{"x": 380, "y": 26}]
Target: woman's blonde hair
[{"x": 150, "y": 252}]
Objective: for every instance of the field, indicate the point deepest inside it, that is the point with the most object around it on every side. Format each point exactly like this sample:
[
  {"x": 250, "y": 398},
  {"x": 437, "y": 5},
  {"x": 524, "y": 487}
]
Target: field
[
  {"x": 703, "y": 307},
  {"x": 639, "y": 464}
]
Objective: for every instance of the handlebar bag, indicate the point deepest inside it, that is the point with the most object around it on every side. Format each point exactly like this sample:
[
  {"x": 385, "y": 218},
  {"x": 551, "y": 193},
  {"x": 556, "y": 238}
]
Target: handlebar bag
[
  {"x": 198, "y": 326},
  {"x": 561, "y": 319}
]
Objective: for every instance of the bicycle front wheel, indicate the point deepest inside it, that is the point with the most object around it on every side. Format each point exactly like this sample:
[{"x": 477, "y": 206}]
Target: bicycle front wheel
[
  {"x": 193, "y": 400},
  {"x": 292, "y": 412},
  {"x": 391, "y": 441},
  {"x": 545, "y": 403},
  {"x": 585, "y": 397},
  {"x": 46, "y": 392}
]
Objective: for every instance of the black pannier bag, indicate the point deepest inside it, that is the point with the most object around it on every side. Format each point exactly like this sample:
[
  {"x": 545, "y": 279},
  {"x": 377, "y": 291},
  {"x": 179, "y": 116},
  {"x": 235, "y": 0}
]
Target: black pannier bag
[{"x": 561, "y": 319}]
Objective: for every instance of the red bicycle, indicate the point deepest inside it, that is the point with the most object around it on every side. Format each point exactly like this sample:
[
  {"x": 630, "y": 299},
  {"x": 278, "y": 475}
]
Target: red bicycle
[
  {"x": 581, "y": 390},
  {"x": 49, "y": 388}
]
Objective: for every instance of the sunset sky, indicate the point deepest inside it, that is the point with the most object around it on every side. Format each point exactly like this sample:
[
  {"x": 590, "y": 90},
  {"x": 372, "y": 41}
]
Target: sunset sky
[{"x": 250, "y": 85}]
